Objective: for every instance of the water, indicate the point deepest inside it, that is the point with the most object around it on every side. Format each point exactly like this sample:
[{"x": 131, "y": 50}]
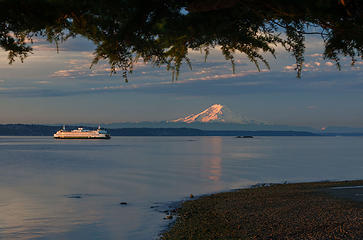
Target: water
[{"x": 72, "y": 189}]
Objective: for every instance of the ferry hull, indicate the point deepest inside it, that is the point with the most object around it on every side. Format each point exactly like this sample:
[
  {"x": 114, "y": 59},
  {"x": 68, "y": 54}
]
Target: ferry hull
[{"x": 81, "y": 137}]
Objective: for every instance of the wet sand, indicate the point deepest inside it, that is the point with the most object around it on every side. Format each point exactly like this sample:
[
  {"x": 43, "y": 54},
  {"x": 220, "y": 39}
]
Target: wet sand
[{"x": 320, "y": 210}]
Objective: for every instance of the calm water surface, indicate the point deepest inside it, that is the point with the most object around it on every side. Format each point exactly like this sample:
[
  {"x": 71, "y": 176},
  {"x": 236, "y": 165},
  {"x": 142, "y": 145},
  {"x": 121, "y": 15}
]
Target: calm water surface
[{"x": 71, "y": 189}]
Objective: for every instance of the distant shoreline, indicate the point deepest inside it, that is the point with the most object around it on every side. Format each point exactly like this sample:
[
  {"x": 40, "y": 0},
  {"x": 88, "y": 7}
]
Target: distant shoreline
[
  {"x": 315, "y": 210},
  {"x": 49, "y": 130}
]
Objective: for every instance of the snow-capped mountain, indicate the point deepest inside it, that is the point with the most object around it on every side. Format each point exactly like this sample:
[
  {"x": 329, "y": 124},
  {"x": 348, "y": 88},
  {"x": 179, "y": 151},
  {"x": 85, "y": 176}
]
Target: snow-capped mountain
[
  {"x": 216, "y": 118},
  {"x": 215, "y": 113}
]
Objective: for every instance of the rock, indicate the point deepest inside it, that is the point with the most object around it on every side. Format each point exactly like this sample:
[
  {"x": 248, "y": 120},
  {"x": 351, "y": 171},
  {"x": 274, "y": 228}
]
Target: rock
[
  {"x": 123, "y": 203},
  {"x": 75, "y": 197}
]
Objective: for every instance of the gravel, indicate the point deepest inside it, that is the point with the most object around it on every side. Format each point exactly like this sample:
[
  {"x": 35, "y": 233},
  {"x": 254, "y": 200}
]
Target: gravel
[{"x": 280, "y": 211}]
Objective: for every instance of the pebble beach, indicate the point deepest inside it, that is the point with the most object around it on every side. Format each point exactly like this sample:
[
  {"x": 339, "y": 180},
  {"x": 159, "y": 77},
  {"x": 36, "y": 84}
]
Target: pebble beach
[{"x": 318, "y": 210}]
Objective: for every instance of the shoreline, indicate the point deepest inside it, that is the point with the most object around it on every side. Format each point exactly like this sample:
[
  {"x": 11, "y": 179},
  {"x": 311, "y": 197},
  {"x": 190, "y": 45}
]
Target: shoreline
[{"x": 313, "y": 210}]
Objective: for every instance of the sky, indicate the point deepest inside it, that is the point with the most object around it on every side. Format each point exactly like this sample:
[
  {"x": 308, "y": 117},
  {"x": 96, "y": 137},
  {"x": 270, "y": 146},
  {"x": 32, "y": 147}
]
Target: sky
[{"x": 51, "y": 87}]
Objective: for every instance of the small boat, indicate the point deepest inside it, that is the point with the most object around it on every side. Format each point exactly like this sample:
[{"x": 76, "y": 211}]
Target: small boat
[
  {"x": 244, "y": 137},
  {"x": 81, "y": 133},
  {"x": 247, "y": 136}
]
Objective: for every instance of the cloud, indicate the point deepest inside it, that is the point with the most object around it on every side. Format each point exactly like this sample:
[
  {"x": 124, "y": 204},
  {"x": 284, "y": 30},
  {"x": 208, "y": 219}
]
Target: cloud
[
  {"x": 81, "y": 68},
  {"x": 220, "y": 76},
  {"x": 43, "y": 82},
  {"x": 290, "y": 67},
  {"x": 356, "y": 68},
  {"x": 15, "y": 90},
  {"x": 43, "y": 48},
  {"x": 216, "y": 85},
  {"x": 314, "y": 66},
  {"x": 213, "y": 77},
  {"x": 66, "y": 73},
  {"x": 315, "y": 55},
  {"x": 248, "y": 83},
  {"x": 243, "y": 83},
  {"x": 79, "y": 44},
  {"x": 204, "y": 71}
]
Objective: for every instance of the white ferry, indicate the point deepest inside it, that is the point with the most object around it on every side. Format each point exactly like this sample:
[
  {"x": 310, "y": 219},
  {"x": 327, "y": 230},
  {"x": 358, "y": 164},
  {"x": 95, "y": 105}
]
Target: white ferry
[{"x": 81, "y": 133}]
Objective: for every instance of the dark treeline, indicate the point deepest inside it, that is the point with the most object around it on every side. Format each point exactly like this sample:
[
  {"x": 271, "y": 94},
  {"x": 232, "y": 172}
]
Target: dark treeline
[
  {"x": 27, "y": 130},
  {"x": 44, "y": 130},
  {"x": 163, "y": 31}
]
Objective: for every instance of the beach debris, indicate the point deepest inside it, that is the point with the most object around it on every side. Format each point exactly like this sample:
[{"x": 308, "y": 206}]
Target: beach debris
[
  {"x": 259, "y": 185},
  {"x": 123, "y": 203},
  {"x": 77, "y": 196},
  {"x": 191, "y": 196},
  {"x": 168, "y": 217},
  {"x": 74, "y": 196}
]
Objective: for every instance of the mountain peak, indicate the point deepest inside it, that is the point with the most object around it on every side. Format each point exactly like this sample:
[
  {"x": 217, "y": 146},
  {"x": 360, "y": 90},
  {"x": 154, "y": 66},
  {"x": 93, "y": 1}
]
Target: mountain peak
[{"x": 215, "y": 113}]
